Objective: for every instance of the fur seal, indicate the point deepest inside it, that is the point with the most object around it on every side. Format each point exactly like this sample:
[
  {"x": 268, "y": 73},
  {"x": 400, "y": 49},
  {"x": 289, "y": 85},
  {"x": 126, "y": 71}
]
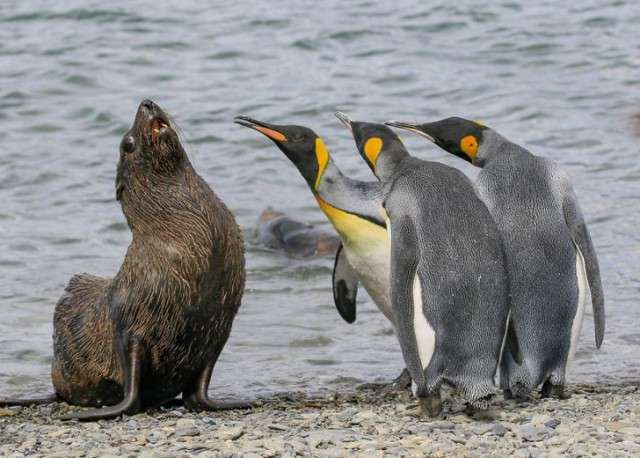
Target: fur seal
[
  {"x": 156, "y": 329},
  {"x": 275, "y": 230}
]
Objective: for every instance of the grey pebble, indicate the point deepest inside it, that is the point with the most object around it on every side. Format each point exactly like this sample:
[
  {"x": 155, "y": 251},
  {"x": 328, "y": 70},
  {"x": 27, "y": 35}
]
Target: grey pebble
[
  {"x": 533, "y": 433},
  {"x": 553, "y": 423}
]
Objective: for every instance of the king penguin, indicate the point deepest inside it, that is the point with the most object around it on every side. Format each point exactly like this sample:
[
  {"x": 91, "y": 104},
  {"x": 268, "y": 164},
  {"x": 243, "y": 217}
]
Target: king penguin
[
  {"x": 551, "y": 259},
  {"x": 449, "y": 284},
  {"x": 352, "y": 208}
]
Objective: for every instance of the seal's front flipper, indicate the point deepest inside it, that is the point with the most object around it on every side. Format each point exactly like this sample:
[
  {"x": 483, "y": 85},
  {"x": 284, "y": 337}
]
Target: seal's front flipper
[
  {"x": 345, "y": 286},
  {"x": 131, "y": 401},
  {"x": 49, "y": 399},
  {"x": 197, "y": 396}
]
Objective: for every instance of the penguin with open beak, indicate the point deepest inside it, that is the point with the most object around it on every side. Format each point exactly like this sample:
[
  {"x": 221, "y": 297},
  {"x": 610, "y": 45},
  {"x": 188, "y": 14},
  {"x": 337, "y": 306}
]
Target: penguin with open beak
[{"x": 352, "y": 208}]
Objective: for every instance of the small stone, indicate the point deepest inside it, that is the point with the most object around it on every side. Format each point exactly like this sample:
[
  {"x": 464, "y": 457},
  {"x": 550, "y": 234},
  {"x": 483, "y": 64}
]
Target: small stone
[
  {"x": 361, "y": 416},
  {"x": 7, "y": 413},
  {"x": 482, "y": 428},
  {"x": 185, "y": 423},
  {"x": 276, "y": 427},
  {"x": 274, "y": 443},
  {"x": 553, "y": 423},
  {"x": 230, "y": 433},
  {"x": 498, "y": 430},
  {"x": 347, "y": 414},
  {"x": 187, "y": 432},
  {"x": 539, "y": 420},
  {"x": 533, "y": 434},
  {"x": 459, "y": 440}
]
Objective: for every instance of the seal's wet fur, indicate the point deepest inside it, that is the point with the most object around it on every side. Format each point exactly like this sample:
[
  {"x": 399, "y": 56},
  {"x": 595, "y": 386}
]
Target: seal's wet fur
[{"x": 167, "y": 313}]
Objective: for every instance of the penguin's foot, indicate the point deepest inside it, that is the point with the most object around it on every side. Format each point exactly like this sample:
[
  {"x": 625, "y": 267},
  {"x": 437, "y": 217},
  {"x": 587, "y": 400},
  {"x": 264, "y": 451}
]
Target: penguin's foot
[
  {"x": 431, "y": 405},
  {"x": 482, "y": 403},
  {"x": 402, "y": 382},
  {"x": 507, "y": 395},
  {"x": 554, "y": 391},
  {"x": 480, "y": 409}
]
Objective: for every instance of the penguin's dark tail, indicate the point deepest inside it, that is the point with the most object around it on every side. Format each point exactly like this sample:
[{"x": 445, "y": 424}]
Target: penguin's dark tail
[
  {"x": 519, "y": 390},
  {"x": 512, "y": 342}
]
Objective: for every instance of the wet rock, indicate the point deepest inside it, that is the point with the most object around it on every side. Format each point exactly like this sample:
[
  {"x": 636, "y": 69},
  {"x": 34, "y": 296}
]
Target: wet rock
[
  {"x": 495, "y": 429},
  {"x": 553, "y": 423},
  {"x": 230, "y": 433},
  {"x": 533, "y": 433}
]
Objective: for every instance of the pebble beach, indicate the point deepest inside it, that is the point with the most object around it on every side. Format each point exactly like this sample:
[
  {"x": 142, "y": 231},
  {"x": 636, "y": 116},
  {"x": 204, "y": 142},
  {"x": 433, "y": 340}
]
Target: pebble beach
[{"x": 598, "y": 420}]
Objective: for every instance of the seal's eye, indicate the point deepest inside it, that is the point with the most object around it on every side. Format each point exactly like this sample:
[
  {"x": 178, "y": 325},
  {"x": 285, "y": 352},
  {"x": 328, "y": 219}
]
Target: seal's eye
[{"x": 128, "y": 144}]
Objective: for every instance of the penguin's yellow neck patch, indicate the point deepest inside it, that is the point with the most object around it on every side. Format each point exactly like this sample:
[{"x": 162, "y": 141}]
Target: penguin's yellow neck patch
[
  {"x": 469, "y": 146},
  {"x": 354, "y": 230},
  {"x": 322, "y": 156},
  {"x": 372, "y": 149}
]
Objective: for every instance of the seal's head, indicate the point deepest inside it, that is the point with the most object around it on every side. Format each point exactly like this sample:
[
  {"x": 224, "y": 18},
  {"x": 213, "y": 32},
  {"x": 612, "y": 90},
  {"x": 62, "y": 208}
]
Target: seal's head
[{"x": 150, "y": 152}]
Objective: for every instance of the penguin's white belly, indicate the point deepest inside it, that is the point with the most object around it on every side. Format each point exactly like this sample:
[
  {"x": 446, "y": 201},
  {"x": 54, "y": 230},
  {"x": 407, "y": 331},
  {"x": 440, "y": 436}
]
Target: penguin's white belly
[
  {"x": 425, "y": 335},
  {"x": 583, "y": 293},
  {"x": 367, "y": 248},
  {"x": 371, "y": 260}
]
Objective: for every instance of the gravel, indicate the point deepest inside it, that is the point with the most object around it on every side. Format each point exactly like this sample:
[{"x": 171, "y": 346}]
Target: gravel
[{"x": 598, "y": 420}]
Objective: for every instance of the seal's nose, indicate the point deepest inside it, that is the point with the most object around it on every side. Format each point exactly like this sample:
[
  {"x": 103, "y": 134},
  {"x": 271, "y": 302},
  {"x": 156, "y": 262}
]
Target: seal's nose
[{"x": 148, "y": 104}]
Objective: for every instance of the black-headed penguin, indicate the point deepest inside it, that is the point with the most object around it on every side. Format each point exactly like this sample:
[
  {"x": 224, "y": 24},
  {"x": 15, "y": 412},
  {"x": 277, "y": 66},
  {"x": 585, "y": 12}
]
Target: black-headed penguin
[
  {"x": 551, "y": 259},
  {"x": 449, "y": 285},
  {"x": 352, "y": 208}
]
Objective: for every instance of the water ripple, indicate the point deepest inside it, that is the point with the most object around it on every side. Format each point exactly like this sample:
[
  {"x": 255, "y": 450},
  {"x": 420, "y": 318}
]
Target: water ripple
[{"x": 561, "y": 80}]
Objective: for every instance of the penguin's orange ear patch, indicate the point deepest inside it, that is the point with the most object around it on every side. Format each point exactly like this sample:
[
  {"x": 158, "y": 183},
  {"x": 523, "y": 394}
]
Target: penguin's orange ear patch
[
  {"x": 469, "y": 146},
  {"x": 272, "y": 134},
  {"x": 372, "y": 149}
]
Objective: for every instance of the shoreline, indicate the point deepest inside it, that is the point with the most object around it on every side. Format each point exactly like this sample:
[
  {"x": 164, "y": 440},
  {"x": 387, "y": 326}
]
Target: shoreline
[{"x": 598, "y": 419}]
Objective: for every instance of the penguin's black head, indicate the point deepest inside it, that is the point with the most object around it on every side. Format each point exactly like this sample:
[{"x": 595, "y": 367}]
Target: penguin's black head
[
  {"x": 458, "y": 136},
  {"x": 300, "y": 144},
  {"x": 373, "y": 140}
]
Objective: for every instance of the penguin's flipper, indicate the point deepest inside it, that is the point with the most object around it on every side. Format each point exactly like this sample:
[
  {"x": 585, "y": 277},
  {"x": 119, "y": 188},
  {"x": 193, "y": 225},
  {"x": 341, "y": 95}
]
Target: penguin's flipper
[
  {"x": 582, "y": 240},
  {"x": 345, "y": 286},
  {"x": 512, "y": 342},
  {"x": 404, "y": 267}
]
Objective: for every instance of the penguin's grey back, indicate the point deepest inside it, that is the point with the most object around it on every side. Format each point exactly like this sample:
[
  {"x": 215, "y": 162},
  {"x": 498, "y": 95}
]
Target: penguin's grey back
[
  {"x": 524, "y": 194},
  {"x": 461, "y": 267}
]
